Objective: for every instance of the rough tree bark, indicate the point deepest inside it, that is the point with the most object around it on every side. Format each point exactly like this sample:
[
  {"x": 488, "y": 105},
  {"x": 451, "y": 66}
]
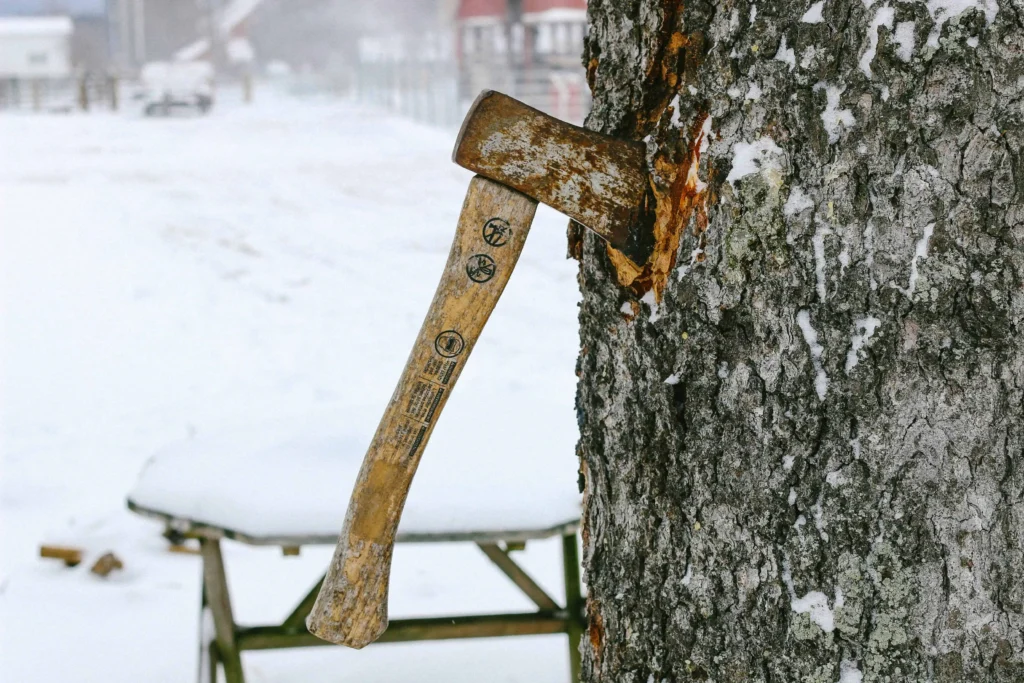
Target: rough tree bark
[{"x": 802, "y": 421}]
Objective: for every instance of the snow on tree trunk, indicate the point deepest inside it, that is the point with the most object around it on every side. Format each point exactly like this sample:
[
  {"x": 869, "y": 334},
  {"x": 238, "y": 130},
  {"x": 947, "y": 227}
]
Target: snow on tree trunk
[{"x": 803, "y": 419}]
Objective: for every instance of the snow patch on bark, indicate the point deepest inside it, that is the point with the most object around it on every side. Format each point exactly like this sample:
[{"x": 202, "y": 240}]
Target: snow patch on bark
[
  {"x": 835, "y": 479},
  {"x": 944, "y": 10},
  {"x": 920, "y": 252},
  {"x": 814, "y": 603},
  {"x": 674, "y": 104},
  {"x": 705, "y": 135},
  {"x": 863, "y": 329},
  {"x": 869, "y": 254},
  {"x": 797, "y": 201},
  {"x": 785, "y": 54},
  {"x": 813, "y": 15},
  {"x": 883, "y": 17},
  {"x": 803, "y": 319},
  {"x": 819, "y": 518},
  {"x": 819, "y": 258},
  {"x": 749, "y": 158},
  {"x": 849, "y": 673},
  {"x": 684, "y": 270},
  {"x": 833, "y": 117},
  {"x": 692, "y": 176},
  {"x": 650, "y": 300},
  {"x": 905, "y": 40}
]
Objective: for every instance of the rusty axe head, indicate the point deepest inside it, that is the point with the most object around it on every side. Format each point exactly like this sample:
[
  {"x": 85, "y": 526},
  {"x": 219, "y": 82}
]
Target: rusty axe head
[{"x": 596, "y": 180}]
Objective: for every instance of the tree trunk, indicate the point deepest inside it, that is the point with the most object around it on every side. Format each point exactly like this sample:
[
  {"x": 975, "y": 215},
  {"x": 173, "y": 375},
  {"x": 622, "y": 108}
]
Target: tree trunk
[{"x": 802, "y": 421}]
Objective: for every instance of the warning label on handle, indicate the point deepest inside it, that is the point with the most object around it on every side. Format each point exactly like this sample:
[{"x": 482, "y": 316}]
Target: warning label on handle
[
  {"x": 439, "y": 370},
  {"x": 417, "y": 440},
  {"x": 421, "y": 403},
  {"x": 423, "y": 400}
]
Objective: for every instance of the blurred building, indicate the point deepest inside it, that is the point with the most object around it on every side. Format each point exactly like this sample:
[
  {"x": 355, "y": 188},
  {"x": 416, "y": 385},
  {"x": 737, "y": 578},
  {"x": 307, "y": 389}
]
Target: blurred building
[
  {"x": 118, "y": 35},
  {"x": 539, "y": 33},
  {"x": 35, "y": 48},
  {"x": 432, "y": 67},
  {"x": 527, "y": 48},
  {"x": 88, "y": 40}
]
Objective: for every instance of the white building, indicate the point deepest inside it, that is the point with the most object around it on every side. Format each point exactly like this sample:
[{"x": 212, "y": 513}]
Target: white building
[
  {"x": 35, "y": 48},
  {"x": 529, "y": 49}
]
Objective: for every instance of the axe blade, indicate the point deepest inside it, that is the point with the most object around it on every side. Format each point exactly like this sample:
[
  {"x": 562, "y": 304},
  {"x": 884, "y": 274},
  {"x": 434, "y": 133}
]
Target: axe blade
[{"x": 594, "y": 179}]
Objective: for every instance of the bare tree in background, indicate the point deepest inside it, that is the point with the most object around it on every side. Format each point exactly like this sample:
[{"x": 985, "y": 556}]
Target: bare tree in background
[{"x": 802, "y": 450}]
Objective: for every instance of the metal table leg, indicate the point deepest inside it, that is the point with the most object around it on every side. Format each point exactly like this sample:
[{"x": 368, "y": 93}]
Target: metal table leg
[
  {"x": 215, "y": 588},
  {"x": 573, "y": 602}
]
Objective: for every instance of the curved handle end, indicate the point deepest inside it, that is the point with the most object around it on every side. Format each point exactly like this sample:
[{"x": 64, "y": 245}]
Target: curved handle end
[{"x": 347, "y": 613}]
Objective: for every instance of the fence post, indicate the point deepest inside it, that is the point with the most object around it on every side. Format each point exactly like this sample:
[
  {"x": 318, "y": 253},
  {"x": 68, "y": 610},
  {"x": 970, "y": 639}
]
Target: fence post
[
  {"x": 112, "y": 85},
  {"x": 83, "y": 92}
]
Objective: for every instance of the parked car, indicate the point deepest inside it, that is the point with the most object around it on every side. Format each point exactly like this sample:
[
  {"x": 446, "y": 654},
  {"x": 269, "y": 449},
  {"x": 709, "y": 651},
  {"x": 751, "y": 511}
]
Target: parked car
[{"x": 167, "y": 86}]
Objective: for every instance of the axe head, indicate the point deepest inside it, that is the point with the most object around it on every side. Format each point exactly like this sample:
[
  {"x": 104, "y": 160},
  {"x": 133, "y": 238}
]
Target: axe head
[{"x": 596, "y": 180}]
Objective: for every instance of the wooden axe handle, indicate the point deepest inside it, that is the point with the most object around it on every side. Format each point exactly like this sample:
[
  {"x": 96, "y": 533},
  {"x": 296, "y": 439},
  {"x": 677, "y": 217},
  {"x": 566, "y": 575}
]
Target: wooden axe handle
[{"x": 352, "y": 607}]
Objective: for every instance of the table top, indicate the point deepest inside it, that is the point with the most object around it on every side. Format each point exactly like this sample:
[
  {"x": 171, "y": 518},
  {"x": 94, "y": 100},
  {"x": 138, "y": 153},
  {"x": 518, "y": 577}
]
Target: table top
[{"x": 289, "y": 484}]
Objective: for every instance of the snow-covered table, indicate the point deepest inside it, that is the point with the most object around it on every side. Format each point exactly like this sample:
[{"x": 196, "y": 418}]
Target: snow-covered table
[{"x": 288, "y": 487}]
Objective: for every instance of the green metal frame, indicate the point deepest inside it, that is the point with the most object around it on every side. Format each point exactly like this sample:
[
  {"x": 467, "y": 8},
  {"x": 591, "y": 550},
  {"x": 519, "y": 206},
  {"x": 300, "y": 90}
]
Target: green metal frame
[{"x": 228, "y": 640}]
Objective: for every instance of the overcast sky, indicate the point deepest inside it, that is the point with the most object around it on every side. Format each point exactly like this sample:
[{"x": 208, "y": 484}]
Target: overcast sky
[{"x": 73, "y": 7}]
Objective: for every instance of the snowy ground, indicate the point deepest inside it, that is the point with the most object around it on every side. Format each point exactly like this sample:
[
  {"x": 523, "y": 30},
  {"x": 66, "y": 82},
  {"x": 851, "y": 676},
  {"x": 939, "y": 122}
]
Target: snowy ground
[{"x": 166, "y": 279}]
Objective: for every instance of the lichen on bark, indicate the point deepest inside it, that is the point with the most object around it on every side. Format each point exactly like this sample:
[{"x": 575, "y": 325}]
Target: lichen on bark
[{"x": 832, "y": 481}]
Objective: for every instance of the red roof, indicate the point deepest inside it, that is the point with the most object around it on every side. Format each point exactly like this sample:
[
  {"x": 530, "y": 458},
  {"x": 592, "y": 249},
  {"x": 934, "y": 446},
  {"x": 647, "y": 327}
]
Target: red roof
[
  {"x": 481, "y": 8},
  {"x": 530, "y": 6},
  {"x": 497, "y": 8}
]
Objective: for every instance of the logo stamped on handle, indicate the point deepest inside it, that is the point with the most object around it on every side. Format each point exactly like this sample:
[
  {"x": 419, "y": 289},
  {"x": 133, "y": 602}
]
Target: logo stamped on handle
[
  {"x": 449, "y": 343},
  {"x": 481, "y": 268},
  {"x": 497, "y": 232}
]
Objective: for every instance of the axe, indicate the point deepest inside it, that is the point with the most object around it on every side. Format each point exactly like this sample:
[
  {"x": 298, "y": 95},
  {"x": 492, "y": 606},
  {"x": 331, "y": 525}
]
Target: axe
[{"x": 522, "y": 156}]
